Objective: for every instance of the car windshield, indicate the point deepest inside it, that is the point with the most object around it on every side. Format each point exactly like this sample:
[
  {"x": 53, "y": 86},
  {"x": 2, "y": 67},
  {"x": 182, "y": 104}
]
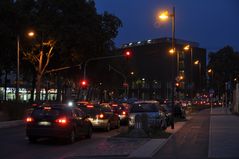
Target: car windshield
[{"x": 143, "y": 107}]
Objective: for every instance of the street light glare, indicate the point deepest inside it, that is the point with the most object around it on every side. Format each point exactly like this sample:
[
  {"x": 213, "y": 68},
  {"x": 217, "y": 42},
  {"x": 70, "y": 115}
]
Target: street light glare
[
  {"x": 172, "y": 51},
  {"x": 209, "y": 71},
  {"x": 187, "y": 47},
  {"x": 196, "y": 62},
  {"x": 31, "y": 33},
  {"x": 163, "y": 16}
]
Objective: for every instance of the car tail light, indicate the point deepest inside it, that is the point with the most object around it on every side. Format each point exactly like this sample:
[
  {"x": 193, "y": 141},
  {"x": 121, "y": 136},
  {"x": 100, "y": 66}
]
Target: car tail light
[
  {"x": 62, "y": 121},
  {"x": 29, "y": 120},
  {"x": 123, "y": 113},
  {"x": 90, "y": 106},
  {"x": 114, "y": 105},
  {"x": 101, "y": 116}
]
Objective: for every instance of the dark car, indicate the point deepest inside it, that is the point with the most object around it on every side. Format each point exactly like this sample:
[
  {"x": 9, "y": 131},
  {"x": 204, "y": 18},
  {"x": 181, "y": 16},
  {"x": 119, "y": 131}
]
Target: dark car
[
  {"x": 57, "y": 121},
  {"x": 122, "y": 111},
  {"x": 101, "y": 116},
  {"x": 179, "y": 110}
]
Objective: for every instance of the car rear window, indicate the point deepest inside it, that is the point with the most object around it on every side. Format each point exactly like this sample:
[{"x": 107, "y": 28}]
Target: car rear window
[
  {"x": 51, "y": 112},
  {"x": 144, "y": 107}
]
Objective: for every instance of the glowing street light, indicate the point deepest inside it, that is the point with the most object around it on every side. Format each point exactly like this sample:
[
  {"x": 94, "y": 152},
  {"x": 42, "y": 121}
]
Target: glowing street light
[
  {"x": 18, "y": 64},
  {"x": 164, "y": 16},
  {"x": 197, "y": 62},
  {"x": 172, "y": 51},
  {"x": 209, "y": 71},
  {"x": 31, "y": 34}
]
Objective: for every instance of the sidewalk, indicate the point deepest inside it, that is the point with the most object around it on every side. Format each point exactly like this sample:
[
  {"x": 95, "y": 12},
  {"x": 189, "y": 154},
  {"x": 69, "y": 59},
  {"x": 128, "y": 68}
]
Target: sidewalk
[{"x": 223, "y": 134}]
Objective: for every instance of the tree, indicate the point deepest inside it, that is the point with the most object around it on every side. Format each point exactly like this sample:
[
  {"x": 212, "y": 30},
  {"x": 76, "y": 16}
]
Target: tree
[
  {"x": 74, "y": 27},
  {"x": 225, "y": 67}
]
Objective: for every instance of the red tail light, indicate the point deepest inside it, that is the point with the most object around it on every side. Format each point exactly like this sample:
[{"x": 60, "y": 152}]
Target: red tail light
[
  {"x": 62, "y": 120},
  {"x": 90, "y": 106},
  {"x": 29, "y": 119}
]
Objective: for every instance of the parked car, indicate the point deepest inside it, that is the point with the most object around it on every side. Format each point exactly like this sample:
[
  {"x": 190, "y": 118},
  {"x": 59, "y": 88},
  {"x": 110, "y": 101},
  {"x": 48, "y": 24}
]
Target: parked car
[
  {"x": 179, "y": 110},
  {"x": 167, "y": 109},
  {"x": 156, "y": 117},
  {"x": 101, "y": 116},
  {"x": 57, "y": 121}
]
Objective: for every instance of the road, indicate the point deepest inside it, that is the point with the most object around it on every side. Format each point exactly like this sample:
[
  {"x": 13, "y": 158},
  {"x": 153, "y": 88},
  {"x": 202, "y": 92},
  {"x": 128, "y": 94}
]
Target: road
[
  {"x": 14, "y": 145},
  {"x": 191, "y": 141}
]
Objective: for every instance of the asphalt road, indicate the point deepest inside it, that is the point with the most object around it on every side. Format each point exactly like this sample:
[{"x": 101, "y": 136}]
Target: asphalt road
[
  {"x": 14, "y": 145},
  {"x": 190, "y": 142}
]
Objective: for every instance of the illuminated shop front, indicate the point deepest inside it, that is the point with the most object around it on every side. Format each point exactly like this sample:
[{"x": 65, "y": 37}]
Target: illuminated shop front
[{"x": 25, "y": 94}]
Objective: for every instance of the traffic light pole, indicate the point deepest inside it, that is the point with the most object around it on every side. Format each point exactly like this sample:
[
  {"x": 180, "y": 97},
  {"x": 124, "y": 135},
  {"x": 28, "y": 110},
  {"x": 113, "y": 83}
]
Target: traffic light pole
[
  {"x": 125, "y": 79},
  {"x": 173, "y": 78},
  {"x": 96, "y": 59}
]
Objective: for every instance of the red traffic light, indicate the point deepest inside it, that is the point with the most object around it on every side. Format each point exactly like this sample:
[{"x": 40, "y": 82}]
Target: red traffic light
[
  {"x": 83, "y": 83},
  {"x": 127, "y": 53}
]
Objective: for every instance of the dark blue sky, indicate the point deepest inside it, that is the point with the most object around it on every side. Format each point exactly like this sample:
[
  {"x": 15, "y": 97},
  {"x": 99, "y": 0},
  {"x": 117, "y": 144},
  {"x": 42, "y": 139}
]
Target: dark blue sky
[{"x": 212, "y": 23}]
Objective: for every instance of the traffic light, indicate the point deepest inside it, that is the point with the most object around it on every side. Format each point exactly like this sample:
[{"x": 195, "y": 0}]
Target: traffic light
[
  {"x": 127, "y": 53},
  {"x": 83, "y": 83}
]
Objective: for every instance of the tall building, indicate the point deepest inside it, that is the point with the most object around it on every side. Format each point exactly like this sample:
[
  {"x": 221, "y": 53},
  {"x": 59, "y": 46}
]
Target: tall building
[{"x": 154, "y": 68}]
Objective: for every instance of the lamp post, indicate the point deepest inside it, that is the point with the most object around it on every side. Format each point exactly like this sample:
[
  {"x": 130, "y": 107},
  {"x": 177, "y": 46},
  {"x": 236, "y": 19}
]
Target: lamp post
[
  {"x": 189, "y": 48},
  {"x": 197, "y": 62},
  {"x": 125, "y": 79},
  {"x": 18, "y": 65},
  {"x": 30, "y": 34},
  {"x": 164, "y": 16}
]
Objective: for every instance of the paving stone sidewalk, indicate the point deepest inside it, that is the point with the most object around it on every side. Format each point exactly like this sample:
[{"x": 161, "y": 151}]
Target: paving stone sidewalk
[{"x": 224, "y": 131}]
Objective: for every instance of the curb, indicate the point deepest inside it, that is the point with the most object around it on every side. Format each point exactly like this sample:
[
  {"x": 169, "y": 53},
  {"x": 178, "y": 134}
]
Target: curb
[{"x": 8, "y": 124}]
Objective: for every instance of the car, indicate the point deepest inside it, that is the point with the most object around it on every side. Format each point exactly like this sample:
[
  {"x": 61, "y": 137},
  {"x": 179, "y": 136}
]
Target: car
[
  {"x": 122, "y": 111},
  {"x": 57, "y": 121},
  {"x": 101, "y": 116},
  {"x": 156, "y": 117},
  {"x": 167, "y": 109},
  {"x": 179, "y": 110}
]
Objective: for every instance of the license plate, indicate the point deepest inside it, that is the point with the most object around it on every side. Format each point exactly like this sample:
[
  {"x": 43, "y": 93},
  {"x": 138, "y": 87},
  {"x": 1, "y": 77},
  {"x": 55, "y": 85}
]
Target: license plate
[{"x": 44, "y": 123}]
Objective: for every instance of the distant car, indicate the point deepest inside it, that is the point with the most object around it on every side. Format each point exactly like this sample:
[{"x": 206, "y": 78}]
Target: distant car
[
  {"x": 156, "y": 117},
  {"x": 57, "y": 121},
  {"x": 122, "y": 111},
  {"x": 101, "y": 116}
]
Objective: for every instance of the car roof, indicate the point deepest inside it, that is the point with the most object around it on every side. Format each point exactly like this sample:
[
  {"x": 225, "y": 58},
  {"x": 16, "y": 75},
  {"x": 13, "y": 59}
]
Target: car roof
[{"x": 147, "y": 101}]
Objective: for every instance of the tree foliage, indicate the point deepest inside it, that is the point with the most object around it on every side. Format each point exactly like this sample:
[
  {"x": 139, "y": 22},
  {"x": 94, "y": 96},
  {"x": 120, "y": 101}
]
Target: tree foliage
[
  {"x": 225, "y": 67},
  {"x": 78, "y": 31}
]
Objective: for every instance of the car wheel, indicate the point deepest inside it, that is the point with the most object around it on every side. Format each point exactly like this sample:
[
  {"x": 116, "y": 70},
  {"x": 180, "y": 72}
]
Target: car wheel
[
  {"x": 89, "y": 133},
  {"x": 72, "y": 137},
  {"x": 164, "y": 124},
  {"x": 118, "y": 124},
  {"x": 32, "y": 139},
  {"x": 108, "y": 126}
]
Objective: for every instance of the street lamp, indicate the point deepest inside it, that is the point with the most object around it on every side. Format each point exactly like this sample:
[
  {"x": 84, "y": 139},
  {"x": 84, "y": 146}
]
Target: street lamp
[
  {"x": 189, "y": 48},
  {"x": 30, "y": 34},
  {"x": 197, "y": 62},
  {"x": 164, "y": 16}
]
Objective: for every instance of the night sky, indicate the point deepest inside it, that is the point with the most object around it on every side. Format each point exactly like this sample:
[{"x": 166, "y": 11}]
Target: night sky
[{"x": 212, "y": 23}]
